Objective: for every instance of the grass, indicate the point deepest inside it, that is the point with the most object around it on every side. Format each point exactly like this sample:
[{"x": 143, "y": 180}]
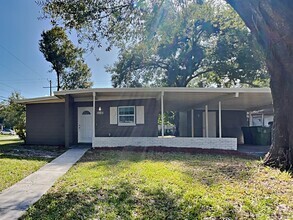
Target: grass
[
  {"x": 129, "y": 185},
  {"x": 15, "y": 162}
]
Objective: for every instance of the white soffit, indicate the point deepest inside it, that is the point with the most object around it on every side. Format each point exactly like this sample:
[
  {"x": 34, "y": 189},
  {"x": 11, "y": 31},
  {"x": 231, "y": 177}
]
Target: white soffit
[{"x": 174, "y": 98}]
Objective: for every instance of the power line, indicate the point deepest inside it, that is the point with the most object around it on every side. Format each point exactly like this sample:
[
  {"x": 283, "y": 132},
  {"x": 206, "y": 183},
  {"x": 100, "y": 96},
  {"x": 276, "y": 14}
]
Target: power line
[
  {"x": 11, "y": 71},
  {"x": 21, "y": 73},
  {"x": 4, "y": 90},
  {"x": 19, "y": 60},
  {"x": 50, "y": 87},
  {"x": 8, "y": 86},
  {"x": 23, "y": 80}
]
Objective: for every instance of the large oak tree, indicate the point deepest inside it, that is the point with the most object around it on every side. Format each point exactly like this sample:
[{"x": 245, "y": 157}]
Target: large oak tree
[
  {"x": 193, "y": 45},
  {"x": 271, "y": 23}
]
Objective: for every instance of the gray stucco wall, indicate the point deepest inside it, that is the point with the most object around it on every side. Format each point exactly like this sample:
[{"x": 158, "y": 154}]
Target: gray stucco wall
[
  {"x": 148, "y": 129},
  {"x": 45, "y": 124}
]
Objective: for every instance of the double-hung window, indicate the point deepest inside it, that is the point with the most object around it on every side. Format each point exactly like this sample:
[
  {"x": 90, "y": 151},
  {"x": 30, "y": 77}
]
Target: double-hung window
[{"x": 126, "y": 115}]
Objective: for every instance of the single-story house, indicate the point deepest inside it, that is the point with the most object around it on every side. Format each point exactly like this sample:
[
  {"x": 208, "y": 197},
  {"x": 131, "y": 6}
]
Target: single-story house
[{"x": 111, "y": 117}]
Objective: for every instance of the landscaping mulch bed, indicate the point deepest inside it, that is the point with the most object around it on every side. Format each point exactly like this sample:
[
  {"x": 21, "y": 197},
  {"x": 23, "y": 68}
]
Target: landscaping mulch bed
[
  {"x": 179, "y": 150},
  {"x": 49, "y": 152}
]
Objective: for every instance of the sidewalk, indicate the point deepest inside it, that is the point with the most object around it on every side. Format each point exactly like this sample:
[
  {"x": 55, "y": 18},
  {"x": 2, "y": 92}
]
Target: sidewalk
[{"x": 15, "y": 200}]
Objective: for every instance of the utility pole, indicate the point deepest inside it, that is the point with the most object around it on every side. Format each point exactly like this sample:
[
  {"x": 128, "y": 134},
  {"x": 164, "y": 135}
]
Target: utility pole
[{"x": 50, "y": 86}]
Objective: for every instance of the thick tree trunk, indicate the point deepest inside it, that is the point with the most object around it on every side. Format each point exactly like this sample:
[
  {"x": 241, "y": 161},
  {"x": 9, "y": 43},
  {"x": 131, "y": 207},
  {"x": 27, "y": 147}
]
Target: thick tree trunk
[{"x": 270, "y": 21}]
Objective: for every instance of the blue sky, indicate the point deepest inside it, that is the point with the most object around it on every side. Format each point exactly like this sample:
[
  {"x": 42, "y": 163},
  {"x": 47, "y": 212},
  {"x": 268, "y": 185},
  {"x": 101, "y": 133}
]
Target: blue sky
[{"x": 22, "y": 66}]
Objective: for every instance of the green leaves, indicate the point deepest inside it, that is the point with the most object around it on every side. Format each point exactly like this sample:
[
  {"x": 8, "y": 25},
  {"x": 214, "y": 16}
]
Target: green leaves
[
  {"x": 165, "y": 43},
  {"x": 190, "y": 44},
  {"x": 13, "y": 114},
  {"x": 66, "y": 60}
]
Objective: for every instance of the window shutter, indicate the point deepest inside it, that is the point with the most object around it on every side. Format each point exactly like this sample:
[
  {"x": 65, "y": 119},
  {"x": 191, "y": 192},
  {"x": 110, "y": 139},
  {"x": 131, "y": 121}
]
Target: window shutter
[
  {"x": 113, "y": 115},
  {"x": 139, "y": 114}
]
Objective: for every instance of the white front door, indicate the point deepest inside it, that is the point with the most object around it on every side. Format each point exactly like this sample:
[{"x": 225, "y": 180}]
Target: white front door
[
  {"x": 85, "y": 124},
  {"x": 212, "y": 123}
]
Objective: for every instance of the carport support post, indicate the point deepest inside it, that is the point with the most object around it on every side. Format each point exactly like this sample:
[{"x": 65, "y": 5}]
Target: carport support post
[
  {"x": 250, "y": 119},
  {"x": 94, "y": 118},
  {"x": 220, "y": 119},
  {"x": 207, "y": 120},
  {"x": 68, "y": 126},
  {"x": 162, "y": 112},
  {"x": 192, "y": 123}
]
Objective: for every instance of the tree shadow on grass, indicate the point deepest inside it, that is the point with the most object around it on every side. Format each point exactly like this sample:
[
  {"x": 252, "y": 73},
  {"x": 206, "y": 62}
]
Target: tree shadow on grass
[
  {"x": 105, "y": 203},
  {"x": 125, "y": 201},
  {"x": 9, "y": 146},
  {"x": 121, "y": 200},
  {"x": 30, "y": 152},
  {"x": 4, "y": 156}
]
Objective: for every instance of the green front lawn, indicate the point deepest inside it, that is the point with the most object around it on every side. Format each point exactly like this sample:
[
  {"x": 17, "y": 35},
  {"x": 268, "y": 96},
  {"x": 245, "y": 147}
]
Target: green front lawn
[
  {"x": 16, "y": 161},
  {"x": 129, "y": 185}
]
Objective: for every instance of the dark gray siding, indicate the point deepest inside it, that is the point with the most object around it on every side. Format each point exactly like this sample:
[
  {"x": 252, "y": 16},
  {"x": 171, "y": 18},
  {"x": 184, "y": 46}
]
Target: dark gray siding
[
  {"x": 148, "y": 129},
  {"x": 69, "y": 120},
  {"x": 45, "y": 124},
  {"x": 232, "y": 121}
]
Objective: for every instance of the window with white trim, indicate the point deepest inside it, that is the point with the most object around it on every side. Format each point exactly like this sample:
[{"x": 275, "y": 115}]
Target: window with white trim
[{"x": 126, "y": 115}]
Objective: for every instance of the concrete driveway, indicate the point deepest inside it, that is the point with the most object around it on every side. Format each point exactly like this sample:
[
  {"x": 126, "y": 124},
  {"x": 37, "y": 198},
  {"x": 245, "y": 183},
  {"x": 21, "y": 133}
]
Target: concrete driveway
[{"x": 255, "y": 150}]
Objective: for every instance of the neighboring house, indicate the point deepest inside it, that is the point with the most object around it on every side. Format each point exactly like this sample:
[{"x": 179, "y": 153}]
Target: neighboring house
[
  {"x": 209, "y": 117},
  {"x": 262, "y": 118}
]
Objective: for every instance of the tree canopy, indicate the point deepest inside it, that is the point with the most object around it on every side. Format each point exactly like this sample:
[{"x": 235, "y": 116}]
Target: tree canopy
[
  {"x": 13, "y": 114},
  {"x": 151, "y": 33},
  {"x": 191, "y": 43},
  {"x": 66, "y": 59}
]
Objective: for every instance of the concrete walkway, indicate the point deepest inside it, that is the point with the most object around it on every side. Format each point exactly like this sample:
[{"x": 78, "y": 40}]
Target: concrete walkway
[{"x": 15, "y": 200}]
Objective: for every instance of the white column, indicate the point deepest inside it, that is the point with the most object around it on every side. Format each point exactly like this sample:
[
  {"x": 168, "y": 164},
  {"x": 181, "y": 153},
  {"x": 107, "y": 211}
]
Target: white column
[
  {"x": 192, "y": 123},
  {"x": 207, "y": 120},
  {"x": 220, "y": 119},
  {"x": 250, "y": 119},
  {"x": 162, "y": 112},
  {"x": 263, "y": 119},
  {"x": 94, "y": 118}
]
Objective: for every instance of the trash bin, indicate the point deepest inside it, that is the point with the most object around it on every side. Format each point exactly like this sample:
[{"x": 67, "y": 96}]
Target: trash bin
[
  {"x": 254, "y": 134},
  {"x": 247, "y": 135},
  {"x": 260, "y": 135},
  {"x": 263, "y": 136}
]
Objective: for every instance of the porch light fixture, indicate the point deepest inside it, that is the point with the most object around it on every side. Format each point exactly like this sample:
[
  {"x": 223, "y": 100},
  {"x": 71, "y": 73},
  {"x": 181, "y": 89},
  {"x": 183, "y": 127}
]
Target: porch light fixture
[{"x": 100, "y": 112}]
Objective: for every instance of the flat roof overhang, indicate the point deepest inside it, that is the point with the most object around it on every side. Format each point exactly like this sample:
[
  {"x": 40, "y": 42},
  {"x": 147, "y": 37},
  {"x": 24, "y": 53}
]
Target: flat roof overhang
[{"x": 177, "y": 99}]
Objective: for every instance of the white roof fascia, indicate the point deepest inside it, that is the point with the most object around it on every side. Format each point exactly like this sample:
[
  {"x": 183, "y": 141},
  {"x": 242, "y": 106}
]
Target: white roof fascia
[
  {"x": 166, "y": 89},
  {"x": 47, "y": 99}
]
